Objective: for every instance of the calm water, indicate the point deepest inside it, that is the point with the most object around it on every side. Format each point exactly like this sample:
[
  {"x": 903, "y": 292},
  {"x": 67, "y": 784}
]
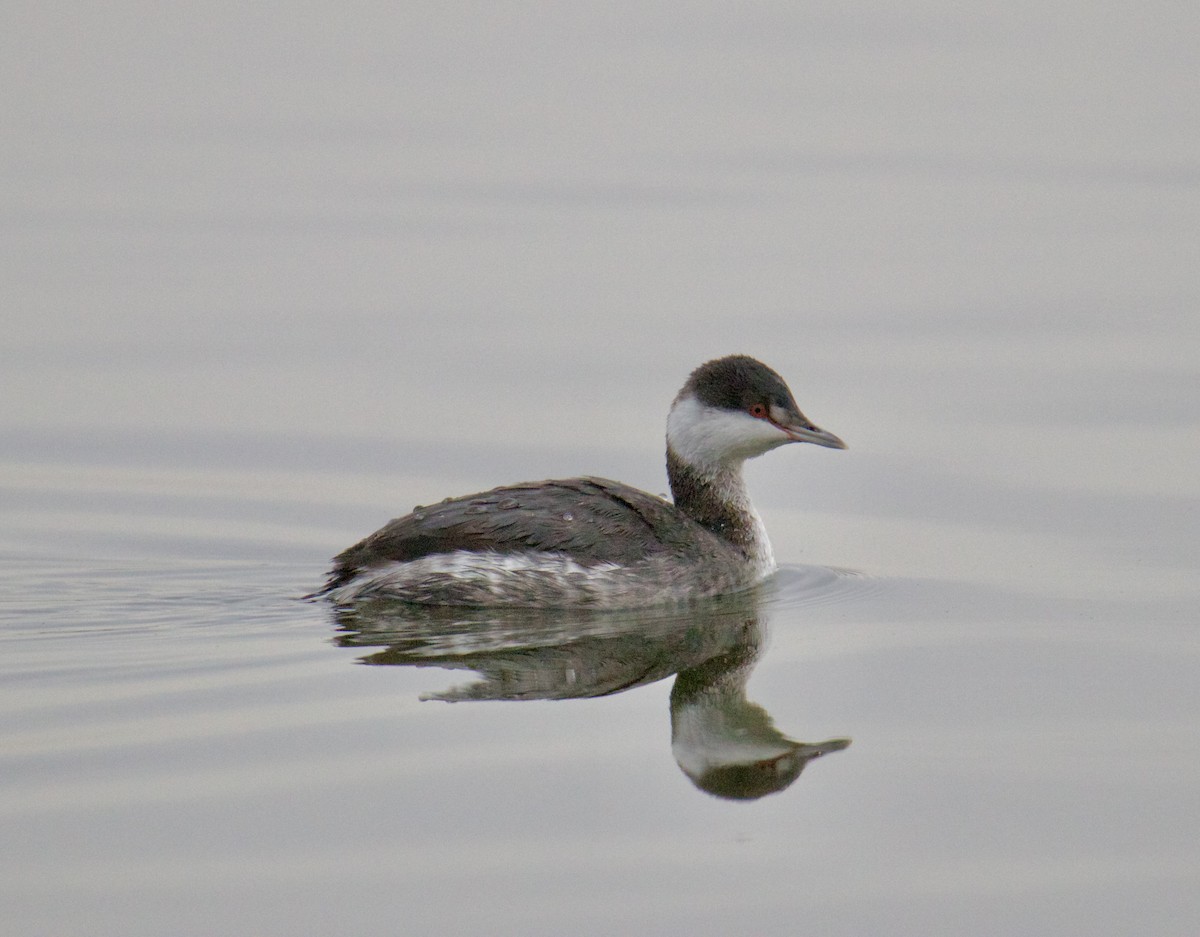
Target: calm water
[{"x": 274, "y": 276}]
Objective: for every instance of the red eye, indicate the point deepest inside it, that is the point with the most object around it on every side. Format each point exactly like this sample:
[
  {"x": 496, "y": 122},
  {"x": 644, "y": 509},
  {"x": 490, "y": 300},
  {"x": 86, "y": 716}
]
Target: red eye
[{"x": 758, "y": 411}]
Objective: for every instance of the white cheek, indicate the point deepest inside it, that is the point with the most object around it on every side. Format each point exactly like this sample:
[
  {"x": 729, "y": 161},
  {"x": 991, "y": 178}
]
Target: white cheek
[{"x": 705, "y": 435}]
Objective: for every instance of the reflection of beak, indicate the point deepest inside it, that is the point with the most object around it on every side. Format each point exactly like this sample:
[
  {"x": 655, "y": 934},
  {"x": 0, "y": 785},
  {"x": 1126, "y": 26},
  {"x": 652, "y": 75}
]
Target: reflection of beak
[{"x": 806, "y": 432}]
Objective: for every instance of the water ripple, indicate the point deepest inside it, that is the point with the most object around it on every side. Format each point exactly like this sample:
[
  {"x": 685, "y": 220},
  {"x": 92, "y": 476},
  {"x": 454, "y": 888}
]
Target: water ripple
[{"x": 802, "y": 586}]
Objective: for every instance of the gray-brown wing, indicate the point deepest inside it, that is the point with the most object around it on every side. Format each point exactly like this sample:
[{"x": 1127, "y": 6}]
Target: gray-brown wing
[{"x": 592, "y": 520}]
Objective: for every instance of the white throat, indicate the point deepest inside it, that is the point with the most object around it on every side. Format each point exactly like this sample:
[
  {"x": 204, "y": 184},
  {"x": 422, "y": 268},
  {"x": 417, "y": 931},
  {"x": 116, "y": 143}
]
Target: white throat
[{"x": 712, "y": 439}]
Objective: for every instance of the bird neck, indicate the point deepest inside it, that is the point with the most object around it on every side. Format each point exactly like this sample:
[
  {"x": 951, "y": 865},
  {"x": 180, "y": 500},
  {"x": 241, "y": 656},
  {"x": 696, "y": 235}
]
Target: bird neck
[{"x": 716, "y": 498}]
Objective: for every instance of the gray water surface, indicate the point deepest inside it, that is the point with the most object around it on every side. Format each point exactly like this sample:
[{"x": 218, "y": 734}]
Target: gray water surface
[{"x": 274, "y": 275}]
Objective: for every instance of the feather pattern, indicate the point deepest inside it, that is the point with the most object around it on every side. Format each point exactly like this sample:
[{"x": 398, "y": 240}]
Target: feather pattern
[{"x": 591, "y": 522}]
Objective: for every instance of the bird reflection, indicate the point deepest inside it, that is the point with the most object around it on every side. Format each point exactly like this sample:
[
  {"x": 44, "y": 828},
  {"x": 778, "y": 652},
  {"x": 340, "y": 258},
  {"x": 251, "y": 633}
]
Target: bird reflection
[{"x": 725, "y": 744}]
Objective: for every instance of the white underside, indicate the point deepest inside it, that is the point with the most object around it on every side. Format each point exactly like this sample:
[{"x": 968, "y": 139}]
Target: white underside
[{"x": 548, "y": 580}]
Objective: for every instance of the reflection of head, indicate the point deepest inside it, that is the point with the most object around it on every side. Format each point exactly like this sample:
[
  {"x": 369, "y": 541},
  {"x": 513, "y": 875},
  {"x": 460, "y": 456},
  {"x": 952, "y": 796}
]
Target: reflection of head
[
  {"x": 727, "y": 745},
  {"x": 751, "y": 781}
]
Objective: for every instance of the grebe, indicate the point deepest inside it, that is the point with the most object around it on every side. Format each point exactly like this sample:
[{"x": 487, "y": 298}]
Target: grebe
[{"x": 590, "y": 542}]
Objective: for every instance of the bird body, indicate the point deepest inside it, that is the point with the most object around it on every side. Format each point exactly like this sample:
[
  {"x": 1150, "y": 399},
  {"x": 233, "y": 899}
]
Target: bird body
[{"x": 591, "y": 542}]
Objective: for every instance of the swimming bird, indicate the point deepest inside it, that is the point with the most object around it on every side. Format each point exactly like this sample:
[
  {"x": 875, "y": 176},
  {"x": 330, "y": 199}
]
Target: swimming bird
[{"x": 594, "y": 543}]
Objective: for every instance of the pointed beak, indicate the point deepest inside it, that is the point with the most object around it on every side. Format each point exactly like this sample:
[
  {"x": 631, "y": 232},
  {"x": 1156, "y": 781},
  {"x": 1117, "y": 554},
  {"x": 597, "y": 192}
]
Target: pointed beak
[
  {"x": 806, "y": 432},
  {"x": 799, "y": 428}
]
